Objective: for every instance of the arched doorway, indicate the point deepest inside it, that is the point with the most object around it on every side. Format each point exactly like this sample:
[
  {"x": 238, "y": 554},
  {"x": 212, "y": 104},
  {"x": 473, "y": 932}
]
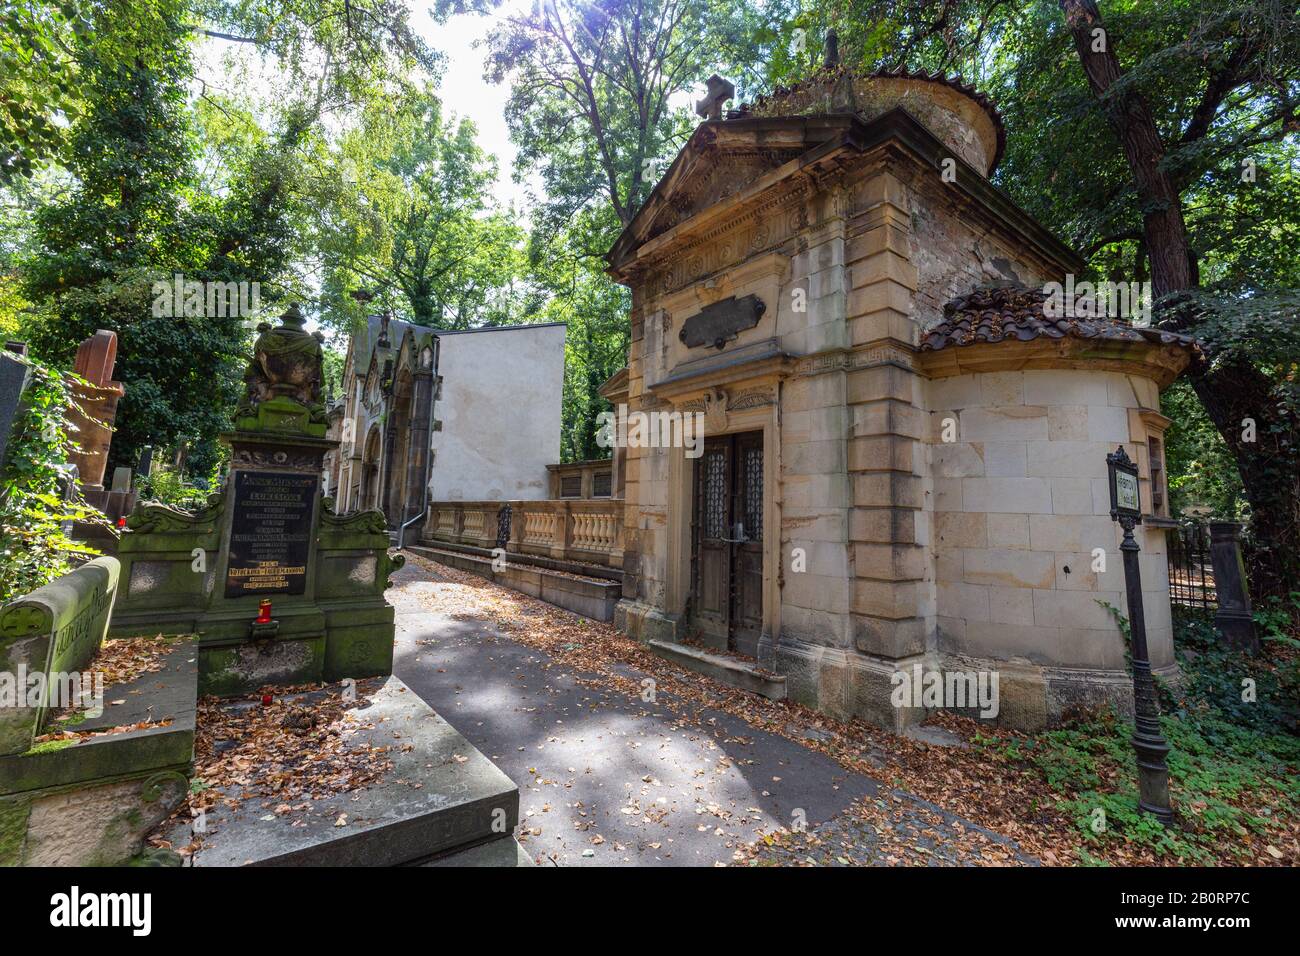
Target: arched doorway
[
  {"x": 370, "y": 470},
  {"x": 395, "y": 494}
]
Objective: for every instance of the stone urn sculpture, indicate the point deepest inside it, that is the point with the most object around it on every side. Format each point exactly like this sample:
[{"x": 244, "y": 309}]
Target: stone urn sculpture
[{"x": 283, "y": 381}]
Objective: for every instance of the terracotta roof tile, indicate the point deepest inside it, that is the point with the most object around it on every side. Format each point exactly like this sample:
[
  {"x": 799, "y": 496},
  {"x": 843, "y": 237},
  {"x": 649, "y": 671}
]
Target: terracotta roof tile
[{"x": 1002, "y": 313}]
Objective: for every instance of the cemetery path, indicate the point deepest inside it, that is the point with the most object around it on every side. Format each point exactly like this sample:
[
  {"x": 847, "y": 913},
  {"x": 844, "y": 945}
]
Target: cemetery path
[{"x": 609, "y": 778}]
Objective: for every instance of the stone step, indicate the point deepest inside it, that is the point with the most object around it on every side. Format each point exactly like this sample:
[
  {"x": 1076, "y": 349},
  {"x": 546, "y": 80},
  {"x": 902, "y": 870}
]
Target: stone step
[
  {"x": 441, "y": 797},
  {"x": 736, "y": 672},
  {"x": 506, "y": 852}
]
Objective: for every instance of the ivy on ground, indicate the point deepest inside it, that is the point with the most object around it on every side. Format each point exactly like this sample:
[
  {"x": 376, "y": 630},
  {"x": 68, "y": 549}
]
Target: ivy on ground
[{"x": 1234, "y": 763}]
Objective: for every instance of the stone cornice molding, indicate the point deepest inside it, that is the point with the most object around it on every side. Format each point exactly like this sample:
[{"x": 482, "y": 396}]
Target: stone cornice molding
[
  {"x": 1160, "y": 363},
  {"x": 848, "y": 140}
]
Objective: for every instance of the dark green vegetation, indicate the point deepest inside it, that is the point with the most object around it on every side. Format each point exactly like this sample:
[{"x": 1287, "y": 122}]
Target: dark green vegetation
[
  {"x": 34, "y": 545},
  {"x": 1234, "y": 767}
]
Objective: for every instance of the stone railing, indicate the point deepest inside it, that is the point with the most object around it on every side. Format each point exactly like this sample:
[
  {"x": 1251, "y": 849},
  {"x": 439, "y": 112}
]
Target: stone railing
[
  {"x": 581, "y": 479},
  {"x": 589, "y": 531}
]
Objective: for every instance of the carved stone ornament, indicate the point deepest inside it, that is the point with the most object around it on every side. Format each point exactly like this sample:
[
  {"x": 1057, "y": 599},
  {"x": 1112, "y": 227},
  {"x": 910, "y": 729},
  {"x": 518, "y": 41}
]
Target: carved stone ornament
[
  {"x": 153, "y": 517},
  {"x": 721, "y": 322},
  {"x": 715, "y": 410},
  {"x": 751, "y": 398},
  {"x": 286, "y": 364},
  {"x": 277, "y": 458},
  {"x": 355, "y": 522}
]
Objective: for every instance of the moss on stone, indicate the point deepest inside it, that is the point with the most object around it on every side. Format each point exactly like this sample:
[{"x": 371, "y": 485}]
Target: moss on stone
[
  {"x": 51, "y": 746},
  {"x": 13, "y": 830}
]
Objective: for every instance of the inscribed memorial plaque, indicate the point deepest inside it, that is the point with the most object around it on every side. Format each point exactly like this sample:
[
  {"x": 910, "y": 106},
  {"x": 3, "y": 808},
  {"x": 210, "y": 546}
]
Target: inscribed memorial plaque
[{"x": 270, "y": 533}]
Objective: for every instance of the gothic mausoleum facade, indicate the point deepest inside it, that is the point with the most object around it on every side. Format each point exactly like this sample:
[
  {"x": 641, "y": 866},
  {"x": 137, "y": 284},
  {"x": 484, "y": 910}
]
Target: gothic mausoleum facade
[
  {"x": 905, "y": 453},
  {"x": 432, "y": 414}
]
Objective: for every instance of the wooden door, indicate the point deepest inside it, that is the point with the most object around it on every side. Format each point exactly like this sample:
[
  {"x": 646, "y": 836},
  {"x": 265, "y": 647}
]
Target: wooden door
[{"x": 727, "y": 543}]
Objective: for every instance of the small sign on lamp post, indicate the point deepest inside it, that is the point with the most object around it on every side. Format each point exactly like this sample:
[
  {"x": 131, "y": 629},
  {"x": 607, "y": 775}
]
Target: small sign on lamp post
[{"x": 1148, "y": 742}]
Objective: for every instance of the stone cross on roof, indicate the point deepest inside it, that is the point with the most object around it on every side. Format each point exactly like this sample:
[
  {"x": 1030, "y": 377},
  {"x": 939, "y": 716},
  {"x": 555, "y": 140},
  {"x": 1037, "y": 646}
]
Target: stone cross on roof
[{"x": 719, "y": 91}]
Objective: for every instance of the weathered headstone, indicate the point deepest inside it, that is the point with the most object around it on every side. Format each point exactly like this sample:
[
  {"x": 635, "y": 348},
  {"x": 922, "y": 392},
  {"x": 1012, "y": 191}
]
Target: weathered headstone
[
  {"x": 98, "y": 400},
  {"x": 13, "y": 381},
  {"x": 268, "y": 535},
  {"x": 283, "y": 591},
  {"x": 55, "y": 630},
  {"x": 121, "y": 480},
  {"x": 87, "y": 766},
  {"x": 1234, "y": 619}
]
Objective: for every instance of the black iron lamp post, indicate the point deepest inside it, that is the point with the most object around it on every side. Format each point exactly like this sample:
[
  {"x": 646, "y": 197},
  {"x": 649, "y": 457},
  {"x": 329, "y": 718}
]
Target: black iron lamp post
[{"x": 1148, "y": 742}]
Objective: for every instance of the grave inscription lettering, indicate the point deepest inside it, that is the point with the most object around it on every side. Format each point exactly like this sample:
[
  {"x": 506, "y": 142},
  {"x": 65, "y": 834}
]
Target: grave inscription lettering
[{"x": 270, "y": 534}]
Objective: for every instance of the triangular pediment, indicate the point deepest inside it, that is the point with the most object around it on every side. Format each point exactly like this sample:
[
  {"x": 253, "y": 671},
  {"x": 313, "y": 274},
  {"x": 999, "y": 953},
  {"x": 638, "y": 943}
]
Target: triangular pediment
[{"x": 718, "y": 161}]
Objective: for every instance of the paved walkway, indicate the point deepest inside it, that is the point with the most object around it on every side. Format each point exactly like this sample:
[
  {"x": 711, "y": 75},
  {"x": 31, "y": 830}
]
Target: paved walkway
[{"x": 608, "y": 779}]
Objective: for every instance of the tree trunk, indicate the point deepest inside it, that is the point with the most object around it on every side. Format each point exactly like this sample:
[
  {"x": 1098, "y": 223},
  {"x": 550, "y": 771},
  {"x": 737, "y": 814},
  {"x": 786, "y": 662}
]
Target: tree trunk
[
  {"x": 1130, "y": 117},
  {"x": 1261, "y": 433},
  {"x": 1233, "y": 391}
]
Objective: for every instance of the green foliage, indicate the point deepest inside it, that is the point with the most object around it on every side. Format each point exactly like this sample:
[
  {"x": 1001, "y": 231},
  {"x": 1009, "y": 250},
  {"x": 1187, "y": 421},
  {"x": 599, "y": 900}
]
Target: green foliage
[
  {"x": 343, "y": 50},
  {"x": 404, "y": 206},
  {"x": 34, "y": 545},
  {"x": 170, "y": 488},
  {"x": 1277, "y": 619},
  {"x": 1233, "y": 764},
  {"x": 1202, "y": 473},
  {"x": 106, "y": 251},
  {"x": 591, "y": 96},
  {"x": 580, "y": 294},
  {"x": 1216, "y": 677},
  {"x": 39, "y": 87}
]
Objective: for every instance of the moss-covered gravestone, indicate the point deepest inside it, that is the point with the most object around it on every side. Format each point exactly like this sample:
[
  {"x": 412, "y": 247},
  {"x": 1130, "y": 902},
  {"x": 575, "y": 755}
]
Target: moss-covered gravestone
[{"x": 268, "y": 536}]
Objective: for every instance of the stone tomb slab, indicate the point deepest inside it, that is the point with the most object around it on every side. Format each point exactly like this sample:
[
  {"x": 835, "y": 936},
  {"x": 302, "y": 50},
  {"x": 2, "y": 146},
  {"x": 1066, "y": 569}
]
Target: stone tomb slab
[
  {"x": 442, "y": 796},
  {"x": 89, "y": 800},
  {"x": 158, "y": 706}
]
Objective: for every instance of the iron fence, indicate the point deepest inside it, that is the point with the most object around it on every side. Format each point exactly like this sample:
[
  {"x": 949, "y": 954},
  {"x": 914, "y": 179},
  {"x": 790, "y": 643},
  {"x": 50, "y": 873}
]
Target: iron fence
[
  {"x": 1191, "y": 574},
  {"x": 503, "y": 527}
]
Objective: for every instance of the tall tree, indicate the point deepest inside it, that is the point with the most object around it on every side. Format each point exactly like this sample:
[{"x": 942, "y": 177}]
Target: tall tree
[
  {"x": 406, "y": 206},
  {"x": 596, "y": 96},
  {"x": 123, "y": 224},
  {"x": 1248, "y": 75}
]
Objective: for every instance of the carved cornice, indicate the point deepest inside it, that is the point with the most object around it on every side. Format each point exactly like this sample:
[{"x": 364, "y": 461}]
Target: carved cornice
[
  {"x": 846, "y": 360},
  {"x": 1160, "y": 363},
  {"x": 727, "y": 244}
]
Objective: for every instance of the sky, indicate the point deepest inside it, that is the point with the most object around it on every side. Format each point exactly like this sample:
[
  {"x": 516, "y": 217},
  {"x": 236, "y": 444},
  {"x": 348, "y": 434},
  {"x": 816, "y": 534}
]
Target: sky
[{"x": 463, "y": 90}]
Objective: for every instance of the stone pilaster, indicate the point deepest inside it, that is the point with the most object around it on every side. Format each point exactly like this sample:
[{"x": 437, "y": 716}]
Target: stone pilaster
[{"x": 888, "y": 527}]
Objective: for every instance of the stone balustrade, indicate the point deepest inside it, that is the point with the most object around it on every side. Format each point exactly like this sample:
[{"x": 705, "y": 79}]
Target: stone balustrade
[
  {"x": 589, "y": 531},
  {"x": 582, "y": 479}
]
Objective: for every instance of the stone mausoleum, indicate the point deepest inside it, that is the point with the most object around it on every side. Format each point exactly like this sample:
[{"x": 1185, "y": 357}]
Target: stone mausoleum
[
  {"x": 465, "y": 415},
  {"x": 905, "y": 459}
]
